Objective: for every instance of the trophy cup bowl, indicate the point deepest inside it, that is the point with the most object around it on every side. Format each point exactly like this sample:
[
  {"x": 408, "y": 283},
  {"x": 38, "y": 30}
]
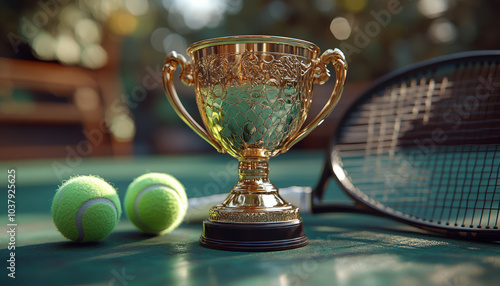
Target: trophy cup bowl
[{"x": 253, "y": 94}]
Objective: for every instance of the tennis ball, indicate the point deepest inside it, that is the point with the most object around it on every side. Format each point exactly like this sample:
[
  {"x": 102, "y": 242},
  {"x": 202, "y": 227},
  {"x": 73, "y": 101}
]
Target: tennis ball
[
  {"x": 156, "y": 203},
  {"x": 86, "y": 208}
]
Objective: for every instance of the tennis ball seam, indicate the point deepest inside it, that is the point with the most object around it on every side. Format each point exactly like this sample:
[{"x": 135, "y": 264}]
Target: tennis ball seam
[
  {"x": 138, "y": 199},
  {"x": 75, "y": 204},
  {"x": 83, "y": 208}
]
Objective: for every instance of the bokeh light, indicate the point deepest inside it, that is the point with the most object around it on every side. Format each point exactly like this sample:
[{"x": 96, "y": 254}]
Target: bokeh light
[
  {"x": 137, "y": 7},
  {"x": 157, "y": 38},
  {"x": 43, "y": 46},
  {"x": 340, "y": 28},
  {"x": 198, "y": 14},
  {"x": 354, "y": 5},
  {"x": 88, "y": 31},
  {"x": 67, "y": 50},
  {"x": 433, "y": 8},
  {"x": 102, "y": 10},
  {"x": 442, "y": 31},
  {"x": 174, "y": 42},
  {"x": 122, "y": 127},
  {"x": 94, "y": 56},
  {"x": 72, "y": 33},
  {"x": 122, "y": 23}
]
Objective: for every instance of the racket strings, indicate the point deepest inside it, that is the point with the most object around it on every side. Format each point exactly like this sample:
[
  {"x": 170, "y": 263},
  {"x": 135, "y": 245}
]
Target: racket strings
[
  {"x": 479, "y": 205},
  {"x": 427, "y": 147},
  {"x": 457, "y": 103}
]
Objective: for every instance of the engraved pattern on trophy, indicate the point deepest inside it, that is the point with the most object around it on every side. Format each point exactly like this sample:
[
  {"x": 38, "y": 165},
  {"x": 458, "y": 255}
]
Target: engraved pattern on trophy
[
  {"x": 276, "y": 216},
  {"x": 253, "y": 99}
]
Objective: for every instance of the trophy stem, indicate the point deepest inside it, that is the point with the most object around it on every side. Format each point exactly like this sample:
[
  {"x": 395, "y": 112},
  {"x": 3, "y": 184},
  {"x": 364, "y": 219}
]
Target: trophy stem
[
  {"x": 254, "y": 198},
  {"x": 253, "y": 174},
  {"x": 254, "y": 169},
  {"x": 254, "y": 217}
]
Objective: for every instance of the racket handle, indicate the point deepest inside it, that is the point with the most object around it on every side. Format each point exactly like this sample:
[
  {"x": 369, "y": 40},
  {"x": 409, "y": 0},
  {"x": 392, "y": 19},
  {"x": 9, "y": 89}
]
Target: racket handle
[{"x": 199, "y": 207}]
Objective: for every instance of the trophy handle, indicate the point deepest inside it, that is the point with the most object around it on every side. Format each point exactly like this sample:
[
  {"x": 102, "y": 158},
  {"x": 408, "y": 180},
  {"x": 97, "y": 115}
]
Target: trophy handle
[
  {"x": 320, "y": 76},
  {"x": 171, "y": 62}
]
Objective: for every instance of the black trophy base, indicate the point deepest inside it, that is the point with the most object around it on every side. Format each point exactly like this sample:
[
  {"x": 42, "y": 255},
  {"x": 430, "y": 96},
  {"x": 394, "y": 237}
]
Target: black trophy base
[{"x": 253, "y": 236}]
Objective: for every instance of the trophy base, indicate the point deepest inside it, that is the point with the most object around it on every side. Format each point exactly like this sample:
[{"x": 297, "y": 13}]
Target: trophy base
[{"x": 253, "y": 236}]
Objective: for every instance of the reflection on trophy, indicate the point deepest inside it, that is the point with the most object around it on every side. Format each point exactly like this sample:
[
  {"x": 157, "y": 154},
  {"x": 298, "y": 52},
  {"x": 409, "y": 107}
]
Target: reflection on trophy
[{"x": 253, "y": 94}]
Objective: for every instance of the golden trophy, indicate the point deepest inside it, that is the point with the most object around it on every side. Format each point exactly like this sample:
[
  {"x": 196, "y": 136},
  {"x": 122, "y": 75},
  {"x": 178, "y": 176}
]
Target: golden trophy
[{"x": 253, "y": 94}]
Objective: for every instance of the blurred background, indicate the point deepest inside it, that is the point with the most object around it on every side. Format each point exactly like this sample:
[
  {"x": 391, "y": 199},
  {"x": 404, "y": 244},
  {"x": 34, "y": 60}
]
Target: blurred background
[{"x": 83, "y": 77}]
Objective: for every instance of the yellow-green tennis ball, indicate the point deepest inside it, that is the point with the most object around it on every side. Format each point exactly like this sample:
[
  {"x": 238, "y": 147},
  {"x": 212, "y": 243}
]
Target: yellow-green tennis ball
[
  {"x": 156, "y": 203},
  {"x": 86, "y": 208}
]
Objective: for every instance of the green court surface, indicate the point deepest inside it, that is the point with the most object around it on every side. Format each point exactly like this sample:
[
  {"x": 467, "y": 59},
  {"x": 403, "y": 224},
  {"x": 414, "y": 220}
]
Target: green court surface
[{"x": 344, "y": 249}]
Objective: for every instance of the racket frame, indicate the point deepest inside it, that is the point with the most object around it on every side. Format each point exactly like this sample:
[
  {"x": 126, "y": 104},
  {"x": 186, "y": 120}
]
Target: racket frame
[{"x": 333, "y": 169}]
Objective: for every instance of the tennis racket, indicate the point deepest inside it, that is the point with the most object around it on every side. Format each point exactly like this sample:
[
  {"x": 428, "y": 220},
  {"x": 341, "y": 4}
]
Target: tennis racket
[{"x": 421, "y": 146}]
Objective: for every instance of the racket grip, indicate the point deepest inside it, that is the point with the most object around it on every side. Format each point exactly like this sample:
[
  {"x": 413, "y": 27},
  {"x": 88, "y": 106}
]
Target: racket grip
[{"x": 199, "y": 207}]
